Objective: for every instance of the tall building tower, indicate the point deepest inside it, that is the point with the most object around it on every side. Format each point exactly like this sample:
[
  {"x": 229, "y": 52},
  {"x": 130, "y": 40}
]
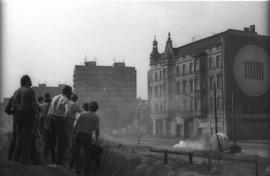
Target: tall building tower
[{"x": 113, "y": 87}]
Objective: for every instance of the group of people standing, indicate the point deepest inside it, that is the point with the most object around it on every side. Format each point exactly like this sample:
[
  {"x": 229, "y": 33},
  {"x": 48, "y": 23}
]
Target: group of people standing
[{"x": 62, "y": 125}]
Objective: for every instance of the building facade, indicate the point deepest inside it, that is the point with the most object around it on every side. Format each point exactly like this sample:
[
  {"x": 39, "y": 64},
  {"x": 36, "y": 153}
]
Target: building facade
[
  {"x": 225, "y": 76},
  {"x": 41, "y": 89},
  {"x": 113, "y": 87}
]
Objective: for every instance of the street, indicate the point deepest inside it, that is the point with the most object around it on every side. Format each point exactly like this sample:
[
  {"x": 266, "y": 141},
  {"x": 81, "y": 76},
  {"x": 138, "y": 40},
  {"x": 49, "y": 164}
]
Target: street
[{"x": 259, "y": 148}]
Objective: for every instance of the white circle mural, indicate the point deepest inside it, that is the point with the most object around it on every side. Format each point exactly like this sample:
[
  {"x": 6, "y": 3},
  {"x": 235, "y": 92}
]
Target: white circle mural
[{"x": 251, "y": 70}]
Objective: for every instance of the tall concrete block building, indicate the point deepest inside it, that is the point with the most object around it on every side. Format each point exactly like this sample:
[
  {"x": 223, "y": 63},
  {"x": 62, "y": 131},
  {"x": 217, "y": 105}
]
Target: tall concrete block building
[
  {"x": 41, "y": 89},
  {"x": 113, "y": 87},
  {"x": 182, "y": 80}
]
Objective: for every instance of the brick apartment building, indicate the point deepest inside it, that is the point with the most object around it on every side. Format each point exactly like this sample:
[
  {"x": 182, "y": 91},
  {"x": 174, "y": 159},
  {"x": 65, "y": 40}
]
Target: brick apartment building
[
  {"x": 113, "y": 87},
  {"x": 181, "y": 84}
]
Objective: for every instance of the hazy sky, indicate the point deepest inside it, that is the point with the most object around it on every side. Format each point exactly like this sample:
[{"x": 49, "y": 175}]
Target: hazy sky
[{"x": 46, "y": 39}]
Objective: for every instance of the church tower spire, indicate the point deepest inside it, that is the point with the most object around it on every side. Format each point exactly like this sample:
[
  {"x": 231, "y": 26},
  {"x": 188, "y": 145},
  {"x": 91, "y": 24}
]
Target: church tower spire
[
  {"x": 169, "y": 46},
  {"x": 154, "y": 54}
]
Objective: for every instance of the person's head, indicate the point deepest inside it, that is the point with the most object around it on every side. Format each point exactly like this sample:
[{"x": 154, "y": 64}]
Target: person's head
[
  {"x": 67, "y": 90},
  {"x": 74, "y": 97},
  {"x": 93, "y": 106},
  {"x": 26, "y": 81},
  {"x": 47, "y": 97},
  {"x": 85, "y": 106},
  {"x": 40, "y": 99}
]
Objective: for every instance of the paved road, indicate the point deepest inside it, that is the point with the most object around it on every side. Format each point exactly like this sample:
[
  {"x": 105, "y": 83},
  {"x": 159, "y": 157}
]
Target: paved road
[{"x": 252, "y": 147}]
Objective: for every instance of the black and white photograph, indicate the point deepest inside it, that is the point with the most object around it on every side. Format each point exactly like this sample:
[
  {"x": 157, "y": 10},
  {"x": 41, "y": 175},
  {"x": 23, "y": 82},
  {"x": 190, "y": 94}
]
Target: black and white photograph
[{"x": 134, "y": 88}]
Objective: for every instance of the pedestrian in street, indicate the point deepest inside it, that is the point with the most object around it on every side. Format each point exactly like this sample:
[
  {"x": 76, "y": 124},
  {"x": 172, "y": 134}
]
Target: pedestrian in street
[
  {"x": 25, "y": 108},
  {"x": 86, "y": 125},
  {"x": 10, "y": 111},
  {"x": 57, "y": 112}
]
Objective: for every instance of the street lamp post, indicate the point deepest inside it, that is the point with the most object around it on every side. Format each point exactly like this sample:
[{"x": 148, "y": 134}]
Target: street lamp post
[
  {"x": 139, "y": 107},
  {"x": 138, "y": 126}
]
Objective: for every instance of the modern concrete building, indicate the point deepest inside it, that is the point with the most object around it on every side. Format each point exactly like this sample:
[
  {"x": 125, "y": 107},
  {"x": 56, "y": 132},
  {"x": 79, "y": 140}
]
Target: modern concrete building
[
  {"x": 113, "y": 87},
  {"x": 41, "y": 89},
  {"x": 181, "y": 84}
]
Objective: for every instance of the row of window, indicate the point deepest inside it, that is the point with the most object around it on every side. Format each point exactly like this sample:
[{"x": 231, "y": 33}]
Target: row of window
[
  {"x": 158, "y": 108},
  {"x": 197, "y": 84},
  {"x": 158, "y": 75},
  {"x": 219, "y": 81},
  {"x": 158, "y": 91},
  {"x": 186, "y": 68},
  {"x": 254, "y": 70},
  {"x": 190, "y": 105},
  {"x": 208, "y": 50}
]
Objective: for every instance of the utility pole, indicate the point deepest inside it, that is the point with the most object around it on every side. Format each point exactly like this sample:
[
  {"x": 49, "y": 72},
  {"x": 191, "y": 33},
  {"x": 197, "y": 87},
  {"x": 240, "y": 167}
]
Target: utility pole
[
  {"x": 216, "y": 124},
  {"x": 233, "y": 118},
  {"x": 215, "y": 103},
  {"x": 138, "y": 126}
]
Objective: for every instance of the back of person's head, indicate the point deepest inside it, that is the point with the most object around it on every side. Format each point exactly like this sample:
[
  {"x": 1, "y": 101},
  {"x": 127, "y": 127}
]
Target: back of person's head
[
  {"x": 67, "y": 90},
  {"x": 40, "y": 99},
  {"x": 93, "y": 106},
  {"x": 74, "y": 97},
  {"x": 47, "y": 97},
  {"x": 85, "y": 106},
  {"x": 26, "y": 81}
]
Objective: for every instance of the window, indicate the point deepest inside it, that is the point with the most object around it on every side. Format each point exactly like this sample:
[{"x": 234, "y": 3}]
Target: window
[
  {"x": 184, "y": 69},
  {"x": 164, "y": 73},
  {"x": 160, "y": 91},
  {"x": 198, "y": 104},
  {"x": 161, "y": 107},
  {"x": 160, "y": 75},
  {"x": 156, "y": 107},
  {"x": 218, "y": 61},
  {"x": 254, "y": 70},
  {"x": 150, "y": 92},
  {"x": 177, "y": 70},
  {"x": 178, "y": 88},
  {"x": 185, "y": 105},
  {"x": 156, "y": 91},
  {"x": 184, "y": 86},
  {"x": 210, "y": 63},
  {"x": 191, "y": 104},
  {"x": 190, "y": 67},
  {"x": 197, "y": 65},
  {"x": 191, "y": 85},
  {"x": 164, "y": 90},
  {"x": 211, "y": 104},
  {"x": 211, "y": 82},
  {"x": 219, "y": 81},
  {"x": 220, "y": 103},
  {"x": 156, "y": 76},
  {"x": 196, "y": 84}
]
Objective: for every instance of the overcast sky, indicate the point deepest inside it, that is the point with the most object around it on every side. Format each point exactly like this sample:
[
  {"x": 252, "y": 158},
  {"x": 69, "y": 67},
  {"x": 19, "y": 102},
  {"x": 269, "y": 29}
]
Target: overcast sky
[{"x": 46, "y": 39}]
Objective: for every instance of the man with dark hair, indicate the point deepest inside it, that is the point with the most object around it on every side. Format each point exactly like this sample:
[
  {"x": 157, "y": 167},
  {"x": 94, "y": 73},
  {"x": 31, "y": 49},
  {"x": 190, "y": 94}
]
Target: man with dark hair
[
  {"x": 86, "y": 124},
  {"x": 57, "y": 113},
  {"x": 25, "y": 107}
]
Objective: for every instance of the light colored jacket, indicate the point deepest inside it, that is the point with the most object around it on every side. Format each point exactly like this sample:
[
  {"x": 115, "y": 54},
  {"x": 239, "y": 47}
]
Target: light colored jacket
[{"x": 58, "y": 106}]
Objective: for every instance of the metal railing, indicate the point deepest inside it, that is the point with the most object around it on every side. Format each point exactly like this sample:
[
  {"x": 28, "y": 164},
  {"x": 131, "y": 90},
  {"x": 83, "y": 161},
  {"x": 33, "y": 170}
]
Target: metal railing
[{"x": 205, "y": 155}]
